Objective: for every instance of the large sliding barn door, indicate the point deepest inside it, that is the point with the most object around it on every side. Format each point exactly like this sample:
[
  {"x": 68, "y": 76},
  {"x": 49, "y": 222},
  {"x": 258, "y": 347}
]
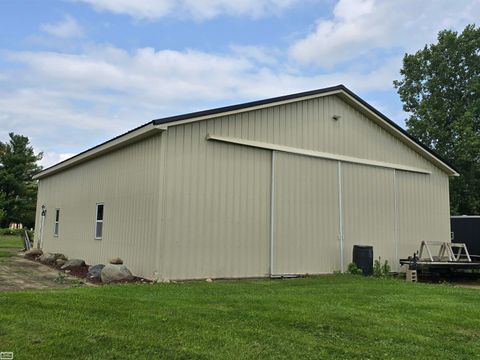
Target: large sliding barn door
[
  {"x": 305, "y": 217},
  {"x": 320, "y": 205}
]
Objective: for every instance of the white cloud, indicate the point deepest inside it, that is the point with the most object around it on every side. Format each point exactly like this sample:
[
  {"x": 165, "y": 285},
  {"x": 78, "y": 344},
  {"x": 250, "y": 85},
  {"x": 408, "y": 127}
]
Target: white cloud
[
  {"x": 262, "y": 55},
  {"x": 361, "y": 27},
  {"x": 52, "y": 158},
  {"x": 197, "y": 9},
  {"x": 67, "y": 102},
  {"x": 160, "y": 80},
  {"x": 145, "y": 73},
  {"x": 68, "y": 27}
]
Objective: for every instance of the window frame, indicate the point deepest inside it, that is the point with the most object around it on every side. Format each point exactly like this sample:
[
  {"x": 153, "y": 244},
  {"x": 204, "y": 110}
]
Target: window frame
[
  {"x": 99, "y": 221},
  {"x": 56, "y": 222}
]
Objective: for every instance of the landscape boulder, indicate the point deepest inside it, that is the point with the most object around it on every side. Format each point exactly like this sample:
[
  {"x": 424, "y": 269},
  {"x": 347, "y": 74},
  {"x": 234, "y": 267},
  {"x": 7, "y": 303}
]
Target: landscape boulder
[
  {"x": 60, "y": 256},
  {"x": 60, "y": 262},
  {"x": 116, "y": 261},
  {"x": 115, "y": 272},
  {"x": 33, "y": 253},
  {"x": 47, "y": 259},
  {"x": 94, "y": 272},
  {"x": 73, "y": 264}
]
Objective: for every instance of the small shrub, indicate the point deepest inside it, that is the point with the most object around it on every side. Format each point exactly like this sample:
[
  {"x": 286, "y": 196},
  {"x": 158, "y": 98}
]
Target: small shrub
[
  {"x": 386, "y": 269},
  {"x": 379, "y": 269},
  {"x": 354, "y": 269}
]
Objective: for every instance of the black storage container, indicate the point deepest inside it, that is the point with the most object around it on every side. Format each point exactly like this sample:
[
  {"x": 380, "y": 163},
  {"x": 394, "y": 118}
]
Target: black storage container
[
  {"x": 466, "y": 229},
  {"x": 363, "y": 258}
]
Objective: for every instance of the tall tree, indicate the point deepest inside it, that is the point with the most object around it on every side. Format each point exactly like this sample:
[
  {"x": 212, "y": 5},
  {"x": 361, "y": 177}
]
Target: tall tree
[
  {"x": 18, "y": 191},
  {"x": 440, "y": 89}
]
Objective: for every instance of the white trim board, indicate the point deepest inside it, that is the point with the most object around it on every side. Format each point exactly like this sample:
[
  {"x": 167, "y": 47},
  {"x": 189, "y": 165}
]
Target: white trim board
[
  {"x": 317, "y": 154},
  {"x": 272, "y": 214}
]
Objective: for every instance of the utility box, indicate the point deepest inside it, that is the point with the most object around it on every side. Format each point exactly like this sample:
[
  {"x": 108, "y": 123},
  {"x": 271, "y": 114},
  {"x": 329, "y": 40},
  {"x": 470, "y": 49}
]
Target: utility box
[
  {"x": 363, "y": 258},
  {"x": 466, "y": 229}
]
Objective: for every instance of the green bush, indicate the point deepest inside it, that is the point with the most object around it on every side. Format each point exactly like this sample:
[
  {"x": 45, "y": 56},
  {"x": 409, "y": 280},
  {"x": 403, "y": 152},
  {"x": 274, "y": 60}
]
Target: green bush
[
  {"x": 12, "y": 232},
  {"x": 354, "y": 269},
  {"x": 381, "y": 270},
  {"x": 386, "y": 268}
]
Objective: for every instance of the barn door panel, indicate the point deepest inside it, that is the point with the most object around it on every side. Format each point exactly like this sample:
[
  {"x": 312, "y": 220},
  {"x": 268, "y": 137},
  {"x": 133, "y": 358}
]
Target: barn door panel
[
  {"x": 306, "y": 221},
  {"x": 369, "y": 211}
]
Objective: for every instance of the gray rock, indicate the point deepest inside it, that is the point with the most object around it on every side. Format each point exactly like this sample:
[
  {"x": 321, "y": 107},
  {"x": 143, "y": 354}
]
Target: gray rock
[
  {"x": 33, "y": 253},
  {"x": 116, "y": 260},
  {"x": 95, "y": 271},
  {"x": 115, "y": 272},
  {"x": 73, "y": 264},
  {"x": 60, "y": 262},
  {"x": 47, "y": 258},
  {"x": 60, "y": 256}
]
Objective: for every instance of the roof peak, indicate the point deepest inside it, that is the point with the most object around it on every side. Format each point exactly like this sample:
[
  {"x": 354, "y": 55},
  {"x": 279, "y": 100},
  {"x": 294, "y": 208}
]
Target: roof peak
[{"x": 163, "y": 123}]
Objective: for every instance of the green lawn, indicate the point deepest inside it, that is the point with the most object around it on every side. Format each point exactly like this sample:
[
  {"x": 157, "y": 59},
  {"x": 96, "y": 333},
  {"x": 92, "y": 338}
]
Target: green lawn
[
  {"x": 9, "y": 241},
  {"x": 6, "y": 254},
  {"x": 331, "y": 317}
]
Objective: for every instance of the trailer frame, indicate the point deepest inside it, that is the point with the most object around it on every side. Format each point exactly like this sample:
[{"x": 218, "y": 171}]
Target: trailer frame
[{"x": 449, "y": 257}]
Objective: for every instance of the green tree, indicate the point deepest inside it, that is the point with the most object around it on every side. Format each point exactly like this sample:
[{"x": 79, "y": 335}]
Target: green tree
[
  {"x": 440, "y": 89},
  {"x": 18, "y": 191},
  {"x": 2, "y": 206}
]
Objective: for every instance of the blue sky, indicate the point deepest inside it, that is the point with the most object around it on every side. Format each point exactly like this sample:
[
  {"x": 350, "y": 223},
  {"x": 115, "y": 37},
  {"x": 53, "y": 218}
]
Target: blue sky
[{"x": 74, "y": 73}]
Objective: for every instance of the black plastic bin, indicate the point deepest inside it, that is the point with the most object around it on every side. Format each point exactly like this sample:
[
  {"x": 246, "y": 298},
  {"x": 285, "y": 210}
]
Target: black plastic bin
[
  {"x": 466, "y": 229},
  {"x": 363, "y": 258}
]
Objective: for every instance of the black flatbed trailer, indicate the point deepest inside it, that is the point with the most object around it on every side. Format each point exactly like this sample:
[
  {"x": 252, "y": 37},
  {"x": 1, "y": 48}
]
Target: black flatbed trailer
[
  {"x": 450, "y": 258},
  {"x": 439, "y": 265}
]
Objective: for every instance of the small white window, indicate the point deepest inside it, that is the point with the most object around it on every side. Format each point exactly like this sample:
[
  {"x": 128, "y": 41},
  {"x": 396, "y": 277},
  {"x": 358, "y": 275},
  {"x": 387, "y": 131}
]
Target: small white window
[
  {"x": 99, "y": 221},
  {"x": 57, "y": 220}
]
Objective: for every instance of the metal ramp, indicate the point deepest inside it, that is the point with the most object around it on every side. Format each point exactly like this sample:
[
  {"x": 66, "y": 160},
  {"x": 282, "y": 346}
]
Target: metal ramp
[
  {"x": 440, "y": 256},
  {"x": 446, "y": 252}
]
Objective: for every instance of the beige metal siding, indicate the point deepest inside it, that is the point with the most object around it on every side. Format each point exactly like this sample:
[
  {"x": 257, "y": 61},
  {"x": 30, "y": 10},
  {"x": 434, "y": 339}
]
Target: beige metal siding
[
  {"x": 423, "y": 210},
  {"x": 309, "y": 125},
  {"x": 217, "y": 207},
  {"x": 126, "y": 181},
  {"x": 306, "y": 216}
]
